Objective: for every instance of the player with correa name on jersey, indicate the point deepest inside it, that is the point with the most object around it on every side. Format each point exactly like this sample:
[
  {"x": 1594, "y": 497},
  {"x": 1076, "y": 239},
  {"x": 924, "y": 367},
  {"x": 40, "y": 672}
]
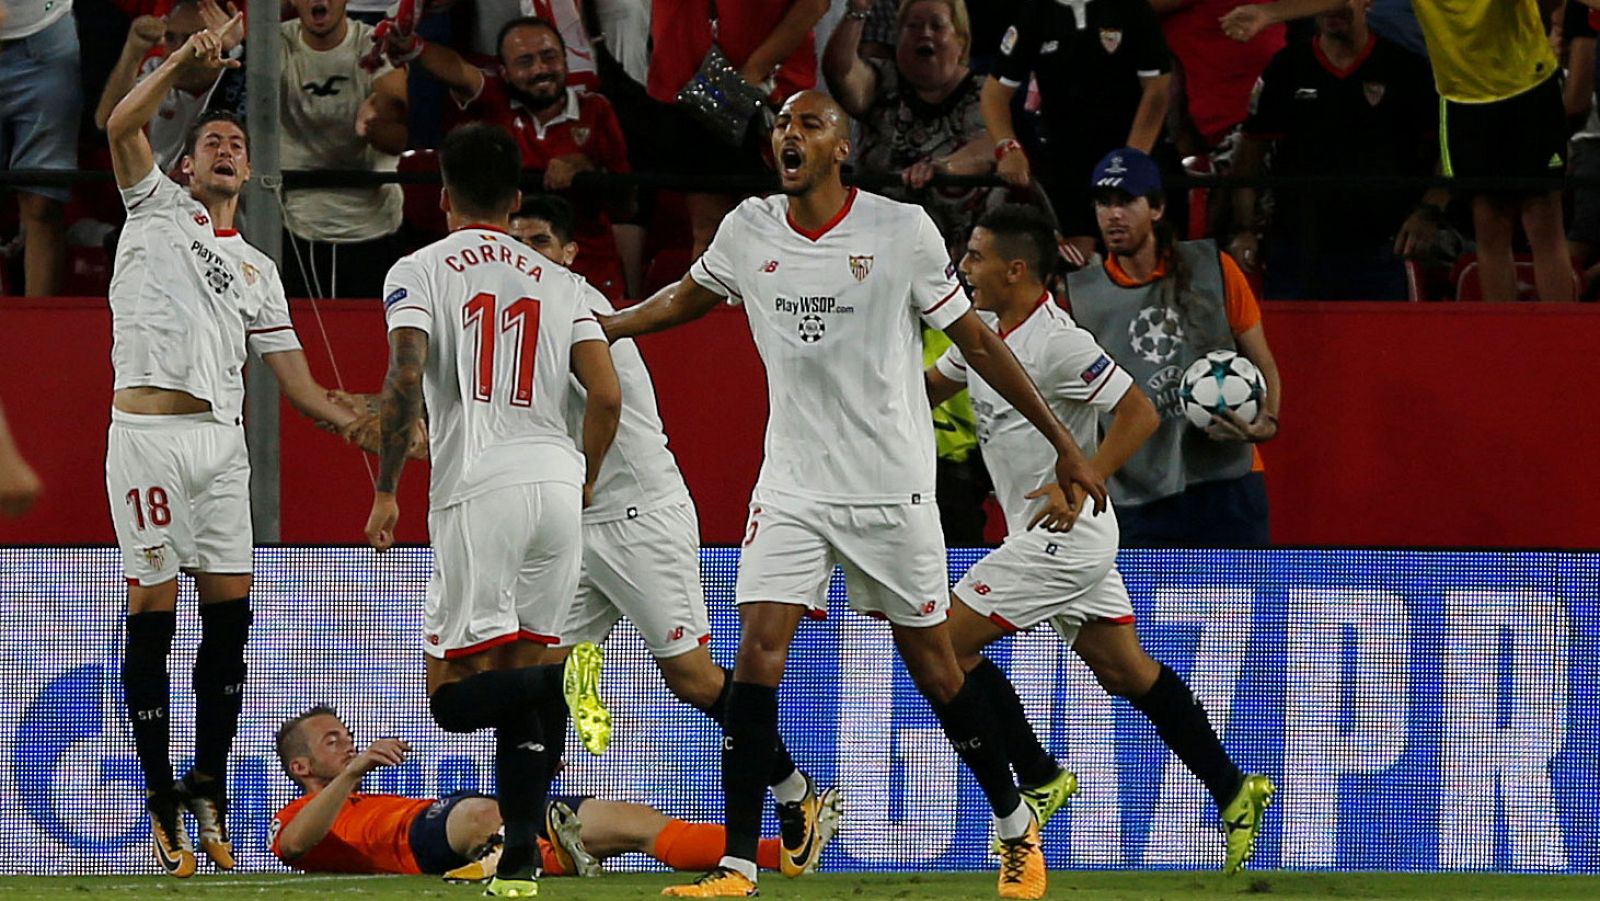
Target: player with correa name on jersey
[
  {"x": 1069, "y": 580},
  {"x": 836, "y": 283},
  {"x": 641, "y": 552},
  {"x": 189, "y": 300},
  {"x": 488, "y": 330}
]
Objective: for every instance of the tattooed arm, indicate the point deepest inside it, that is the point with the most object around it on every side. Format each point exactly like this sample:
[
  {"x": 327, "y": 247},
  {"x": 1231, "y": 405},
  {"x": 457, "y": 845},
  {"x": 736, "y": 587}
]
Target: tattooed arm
[{"x": 400, "y": 408}]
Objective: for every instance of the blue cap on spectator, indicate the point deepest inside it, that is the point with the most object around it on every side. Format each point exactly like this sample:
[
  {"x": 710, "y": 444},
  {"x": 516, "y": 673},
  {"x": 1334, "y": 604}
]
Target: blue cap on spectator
[{"x": 1128, "y": 170}]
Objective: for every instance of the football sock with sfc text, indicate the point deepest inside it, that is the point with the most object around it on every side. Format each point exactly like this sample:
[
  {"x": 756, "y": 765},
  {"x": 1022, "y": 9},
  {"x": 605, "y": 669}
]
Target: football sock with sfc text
[
  {"x": 1181, "y": 722},
  {"x": 219, "y": 675},
  {"x": 783, "y": 766},
  {"x": 145, "y": 687},
  {"x": 748, "y": 746},
  {"x": 966, "y": 722},
  {"x": 1032, "y": 764}
]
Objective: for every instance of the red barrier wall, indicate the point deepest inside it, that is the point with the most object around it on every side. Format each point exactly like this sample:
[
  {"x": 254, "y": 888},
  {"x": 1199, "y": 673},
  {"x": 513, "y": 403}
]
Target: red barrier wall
[{"x": 1403, "y": 425}]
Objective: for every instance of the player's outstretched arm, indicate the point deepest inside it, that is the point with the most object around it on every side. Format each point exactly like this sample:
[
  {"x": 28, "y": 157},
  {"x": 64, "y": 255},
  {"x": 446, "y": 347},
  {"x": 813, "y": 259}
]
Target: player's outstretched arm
[
  {"x": 312, "y": 824},
  {"x": 988, "y": 356},
  {"x": 673, "y": 305},
  {"x": 400, "y": 409},
  {"x": 307, "y": 397},
  {"x": 131, "y": 158},
  {"x": 591, "y": 363}
]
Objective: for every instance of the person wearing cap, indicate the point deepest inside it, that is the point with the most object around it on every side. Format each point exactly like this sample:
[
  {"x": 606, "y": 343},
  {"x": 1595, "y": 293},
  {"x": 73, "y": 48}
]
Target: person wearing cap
[{"x": 1158, "y": 304}]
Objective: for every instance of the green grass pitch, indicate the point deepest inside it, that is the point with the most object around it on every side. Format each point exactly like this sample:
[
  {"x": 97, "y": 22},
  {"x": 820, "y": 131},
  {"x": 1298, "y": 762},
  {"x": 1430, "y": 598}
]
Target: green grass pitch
[{"x": 1066, "y": 885}]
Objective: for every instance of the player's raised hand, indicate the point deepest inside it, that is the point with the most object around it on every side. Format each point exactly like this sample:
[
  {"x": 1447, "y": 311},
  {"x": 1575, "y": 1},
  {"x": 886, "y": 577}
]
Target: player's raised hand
[
  {"x": 1075, "y": 469},
  {"x": 381, "y": 753},
  {"x": 381, "y": 522},
  {"x": 1060, "y": 511}
]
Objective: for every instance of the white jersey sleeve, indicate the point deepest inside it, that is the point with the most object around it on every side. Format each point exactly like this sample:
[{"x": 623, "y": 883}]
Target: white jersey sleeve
[
  {"x": 405, "y": 298},
  {"x": 153, "y": 195},
  {"x": 1082, "y": 371},
  {"x": 585, "y": 325},
  {"x": 952, "y": 365},
  {"x": 271, "y": 330},
  {"x": 935, "y": 293},
  {"x": 716, "y": 269}
]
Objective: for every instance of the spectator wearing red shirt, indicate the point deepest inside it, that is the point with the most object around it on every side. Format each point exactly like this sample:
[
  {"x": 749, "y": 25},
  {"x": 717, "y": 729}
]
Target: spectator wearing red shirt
[
  {"x": 769, "y": 41},
  {"x": 1217, "y": 73},
  {"x": 559, "y": 130}
]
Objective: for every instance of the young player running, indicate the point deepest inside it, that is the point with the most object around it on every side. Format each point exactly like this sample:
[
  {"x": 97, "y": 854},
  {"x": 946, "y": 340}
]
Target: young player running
[{"x": 1068, "y": 580}]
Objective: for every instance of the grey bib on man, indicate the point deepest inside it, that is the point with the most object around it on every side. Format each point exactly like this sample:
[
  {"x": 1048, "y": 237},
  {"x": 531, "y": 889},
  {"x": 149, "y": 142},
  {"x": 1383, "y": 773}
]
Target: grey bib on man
[{"x": 1155, "y": 334}]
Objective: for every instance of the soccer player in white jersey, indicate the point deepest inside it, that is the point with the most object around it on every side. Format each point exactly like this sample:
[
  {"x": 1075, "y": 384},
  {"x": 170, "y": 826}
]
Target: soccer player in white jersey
[
  {"x": 486, "y": 330},
  {"x": 189, "y": 299},
  {"x": 1067, "y": 580},
  {"x": 641, "y": 550},
  {"x": 835, "y": 282}
]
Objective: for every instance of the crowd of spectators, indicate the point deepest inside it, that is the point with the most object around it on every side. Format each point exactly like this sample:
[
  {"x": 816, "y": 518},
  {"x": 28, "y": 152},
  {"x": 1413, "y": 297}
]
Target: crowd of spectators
[{"x": 1033, "y": 92}]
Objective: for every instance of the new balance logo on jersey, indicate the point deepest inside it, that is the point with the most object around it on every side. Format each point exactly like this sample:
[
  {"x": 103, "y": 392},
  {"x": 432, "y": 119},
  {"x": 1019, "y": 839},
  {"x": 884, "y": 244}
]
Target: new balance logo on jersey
[
  {"x": 769, "y": 267},
  {"x": 202, "y": 220},
  {"x": 328, "y": 88},
  {"x": 929, "y": 607},
  {"x": 675, "y": 634}
]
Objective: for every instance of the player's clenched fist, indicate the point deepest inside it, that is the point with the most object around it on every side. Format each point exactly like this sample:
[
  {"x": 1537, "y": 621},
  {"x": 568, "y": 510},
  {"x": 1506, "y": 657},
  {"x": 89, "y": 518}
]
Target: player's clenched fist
[{"x": 381, "y": 522}]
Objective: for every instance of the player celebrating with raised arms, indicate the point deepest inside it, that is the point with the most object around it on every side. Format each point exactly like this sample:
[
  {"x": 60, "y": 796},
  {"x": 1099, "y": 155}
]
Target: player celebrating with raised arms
[
  {"x": 488, "y": 329},
  {"x": 189, "y": 298},
  {"x": 641, "y": 551},
  {"x": 835, "y": 281},
  {"x": 1067, "y": 580}
]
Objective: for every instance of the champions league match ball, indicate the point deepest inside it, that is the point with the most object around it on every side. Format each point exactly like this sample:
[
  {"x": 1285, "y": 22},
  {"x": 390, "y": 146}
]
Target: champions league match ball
[{"x": 1221, "y": 380}]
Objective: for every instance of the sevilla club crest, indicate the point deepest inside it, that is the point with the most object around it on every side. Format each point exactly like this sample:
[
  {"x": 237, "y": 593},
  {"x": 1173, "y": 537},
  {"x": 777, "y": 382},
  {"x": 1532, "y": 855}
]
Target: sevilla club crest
[
  {"x": 1111, "y": 39},
  {"x": 860, "y": 266},
  {"x": 580, "y": 135},
  {"x": 1373, "y": 91}
]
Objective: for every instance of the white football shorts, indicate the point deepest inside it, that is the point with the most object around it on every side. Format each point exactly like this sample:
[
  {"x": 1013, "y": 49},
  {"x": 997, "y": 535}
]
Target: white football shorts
[
  {"x": 179, "y": 488},
  {"x": 646, "y": 568},
  {"x": 893, "y": 557},
  {"x": 1038, "y": 576},
  {"x": 505, "y": 566}
]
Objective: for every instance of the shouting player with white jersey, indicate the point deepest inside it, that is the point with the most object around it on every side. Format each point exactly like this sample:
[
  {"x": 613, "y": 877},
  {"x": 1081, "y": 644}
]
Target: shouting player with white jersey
[
  {"x": 641, "y": 549},
  {"x": 487, "y": 330},
  {"x": 1067, "y": 580},
  {"x": 189, "y": 299},
  {"x": 835, "y": 282}
]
